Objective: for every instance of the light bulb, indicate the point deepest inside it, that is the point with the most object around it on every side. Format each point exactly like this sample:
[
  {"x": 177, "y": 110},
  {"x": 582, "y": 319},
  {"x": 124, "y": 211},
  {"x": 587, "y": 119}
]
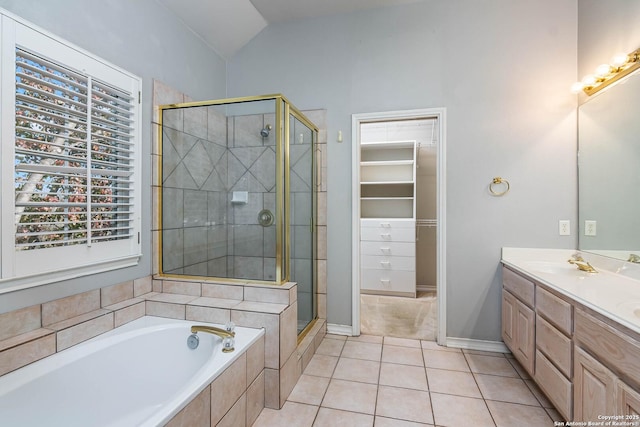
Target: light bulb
[
  {"x": 589, "y": 80},
  {"x": 577, "y": 87},
  {"x": 603, "y": 70},
  {"x": 619, "y": 59}
]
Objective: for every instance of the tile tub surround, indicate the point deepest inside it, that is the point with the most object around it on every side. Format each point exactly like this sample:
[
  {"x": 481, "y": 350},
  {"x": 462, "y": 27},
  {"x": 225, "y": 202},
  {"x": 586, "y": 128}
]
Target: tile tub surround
[{"x": 32, "y": 333}]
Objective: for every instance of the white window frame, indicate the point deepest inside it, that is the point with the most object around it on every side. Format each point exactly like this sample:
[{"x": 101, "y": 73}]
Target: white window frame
[{"x": 28, "y": 268}]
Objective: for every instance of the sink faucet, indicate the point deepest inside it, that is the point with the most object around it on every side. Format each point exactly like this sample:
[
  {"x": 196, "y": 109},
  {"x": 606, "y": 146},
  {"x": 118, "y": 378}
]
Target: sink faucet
[
  {"x": 577, "y": 260},
  {"x": 226, "y": 335},
  {"x": 634, "y": 258}
]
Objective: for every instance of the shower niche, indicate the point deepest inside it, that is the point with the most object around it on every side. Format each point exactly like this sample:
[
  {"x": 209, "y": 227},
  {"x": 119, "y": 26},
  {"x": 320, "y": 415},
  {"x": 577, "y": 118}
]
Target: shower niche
[{"x": 239, "y": 193}]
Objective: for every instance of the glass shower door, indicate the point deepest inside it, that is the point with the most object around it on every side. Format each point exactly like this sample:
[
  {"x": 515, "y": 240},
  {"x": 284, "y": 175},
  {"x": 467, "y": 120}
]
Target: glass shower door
[{"x": 302, "y": 219}]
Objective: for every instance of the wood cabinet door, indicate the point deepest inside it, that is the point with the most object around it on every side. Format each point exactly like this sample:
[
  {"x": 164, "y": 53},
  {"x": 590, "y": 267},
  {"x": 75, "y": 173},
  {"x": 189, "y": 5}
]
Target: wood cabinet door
[
  {"x": 594, "y": 388},
  {"x": 628, "y": 402},
  {"x": 508, "y": 316},
  {"x": 525, "y": 321}
]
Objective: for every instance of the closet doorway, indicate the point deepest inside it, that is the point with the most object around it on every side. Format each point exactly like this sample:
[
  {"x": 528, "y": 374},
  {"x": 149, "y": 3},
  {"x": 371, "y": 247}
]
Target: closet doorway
[{"x": 399, "y": 286}]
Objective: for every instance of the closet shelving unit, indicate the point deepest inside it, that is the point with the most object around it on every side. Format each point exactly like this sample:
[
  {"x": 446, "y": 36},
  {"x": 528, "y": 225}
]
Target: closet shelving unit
[{"x": 388, "y": 217}]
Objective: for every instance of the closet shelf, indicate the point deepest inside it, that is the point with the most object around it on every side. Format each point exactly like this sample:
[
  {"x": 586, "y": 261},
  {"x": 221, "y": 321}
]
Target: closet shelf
[
  {"x": 385, "y": 182},
  {"x": 386, "y": 163},
  {"x": 386, "y": 198}
]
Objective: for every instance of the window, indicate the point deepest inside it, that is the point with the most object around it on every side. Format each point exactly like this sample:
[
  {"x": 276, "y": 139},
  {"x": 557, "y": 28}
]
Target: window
[{"x": 70, "y": 160}]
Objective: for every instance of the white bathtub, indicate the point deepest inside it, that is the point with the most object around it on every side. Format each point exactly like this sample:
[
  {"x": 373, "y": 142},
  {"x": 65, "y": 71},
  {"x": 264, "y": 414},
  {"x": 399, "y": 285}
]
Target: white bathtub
[{"x": 140, "y": 374}]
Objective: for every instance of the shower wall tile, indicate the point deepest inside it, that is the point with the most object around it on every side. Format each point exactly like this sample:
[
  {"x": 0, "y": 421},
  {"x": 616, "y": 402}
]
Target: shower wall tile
[
  {"x": 322, "y": 276},
  {"x": 200, "y": 269},
  {"x": 196, "y": 212},
  {"x": 195, "y": 121},
  {"x": 322, "y": 241},
  {"x": 142, "y": 286},
  {"x": 322, "y": 208},
  {"x": 301, "y": 241},
  {"x": 288, "y": 333},
  {"x": 195, "y": 245},
  {"x": 217, "y": 267},
  {"x": 217, "y": 207},
  {"x": 173, "y": 119},
  {"x": 271, "y": 323},
  {"x": 322, "y": 305},
  {"x": 248, "y": 267},
  {"x": 264, "y": 169},
  {"x": 208, "y": 314},
  {"x": 216, "y": 126},
  {"x": 248, "y": 240},
  {"x": 173, "y": 243},
  {"x": 217, "y": 241},
  {"x": 301, "y": 208},
  {"x": 172, "y": 208},
  {"x": 198, "y": 163},
  {"x": 269, "y": 269},
  {"x": 269, "y": 235},
  {"x": 180, "y": 178},
  {"x": 156, "y": 195},
  {"x": 267, "y": 294},
  {"x": 247, "y": 131}
]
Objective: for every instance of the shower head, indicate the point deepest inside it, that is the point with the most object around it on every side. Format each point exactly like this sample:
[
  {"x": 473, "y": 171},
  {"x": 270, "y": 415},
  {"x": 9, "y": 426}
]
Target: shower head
[{"x": 265, "y": 131}]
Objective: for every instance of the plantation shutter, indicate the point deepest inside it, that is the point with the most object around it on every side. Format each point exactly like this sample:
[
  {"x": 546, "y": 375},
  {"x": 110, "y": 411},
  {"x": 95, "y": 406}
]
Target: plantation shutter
[{"x": 73, "y": 157}]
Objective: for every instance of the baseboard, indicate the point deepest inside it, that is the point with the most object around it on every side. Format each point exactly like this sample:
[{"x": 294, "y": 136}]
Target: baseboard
[
  {"x": 334, "y": 329},
  {"x": 470, "y": 344}
]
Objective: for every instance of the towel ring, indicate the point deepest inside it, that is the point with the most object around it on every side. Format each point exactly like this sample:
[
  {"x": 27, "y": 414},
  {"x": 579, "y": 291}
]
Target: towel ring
[{"x": 498, "y": 181}]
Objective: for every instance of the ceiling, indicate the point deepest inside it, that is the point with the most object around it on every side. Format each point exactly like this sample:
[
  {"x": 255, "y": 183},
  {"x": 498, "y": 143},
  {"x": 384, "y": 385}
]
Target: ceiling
[{"x": 227, "y": 25}]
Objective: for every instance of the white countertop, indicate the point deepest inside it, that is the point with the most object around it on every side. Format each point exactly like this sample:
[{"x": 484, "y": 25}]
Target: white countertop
[{"x": 613, "y": 292}]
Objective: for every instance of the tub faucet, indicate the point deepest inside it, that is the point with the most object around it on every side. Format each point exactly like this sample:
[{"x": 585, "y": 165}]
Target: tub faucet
[
  {"x": 226, "y": 335},
  {"x": 577, "y": 260}
]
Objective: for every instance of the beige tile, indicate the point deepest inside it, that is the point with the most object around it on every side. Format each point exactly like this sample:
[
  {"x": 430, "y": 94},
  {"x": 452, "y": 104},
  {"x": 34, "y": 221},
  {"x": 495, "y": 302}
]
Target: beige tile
[
  {"x": 555, "y": 415},
  {"x": 214, "y": 290},
  {"x": 321, "y": 366},
  {"x": 21, "y": 355},
  {"x": 373, "y": 339},
  {"x": 272, "y": 388},
  {"x": 321, "y": 302},
  {"x": 255, "y": 359},
  {"x": 196, "y": 414},
  {"x": 491, "y": 365},
  {"x": 84, "y": 331},
  {"x": 68, "y": 323},
  {"x": 364, "y": 371},
  {"x": 330, "y": 347},
  {"x": 337, "y": 337},
  {"x": 66, "y": 308},
  {"x": 255, "y": 399},
  {"x": 289, "y": 374},
  {"x": 519, "y": 369},
  {"x": 362, "y": 350},
  {"x": 237, "y": 415},
  {"x": 171, "y": 298},
  {"x": 334, "y": 418},
  {"x": 539, "y": 394},
  {"x": 402, "y": 355},
  {"x": 117, "y": 293},
  {"x": 351, "y": 396},
  {"x": 392, "y": 422},
  {"x": 142, "y": 286},
  {"x": 456, "y": 411},
  {"x": 404, "y": 404},
  {"x": 454, "y": 361},
  {"x": 227, "y": 388},
  {"x": 267, "y": 294},
  {"x": 309, "y": 390},
  {"x": 19, "y": 321},
  {"x": 406, "y": 376},
  {"x": 322, "y": 276},
  {"x": 402, "y": 342},
  {"x": 24, "y": 338},
  {"x": 163, "y": 309},
  {"x": 432, "y": 345},
  {"x": 511, "y": 414},
  {"x": 288, "y": 332},
  {"x": 271, "y": 324},
  {"x": 128, "y": 314},
  {"x": 483, "y": 353},
  {"x": 291, "y": 414},
  {"x": 207, "y": 314},
  {"x": 182, "y": 288},
  {"x": 260, "y": 307},
  {"x": 453, "y": 382},
  {"x": 505, "y": 389}
]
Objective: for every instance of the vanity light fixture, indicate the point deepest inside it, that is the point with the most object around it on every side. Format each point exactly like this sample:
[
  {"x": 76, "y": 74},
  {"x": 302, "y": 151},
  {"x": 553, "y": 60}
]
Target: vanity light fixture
[{"x": 606, "y": 74}]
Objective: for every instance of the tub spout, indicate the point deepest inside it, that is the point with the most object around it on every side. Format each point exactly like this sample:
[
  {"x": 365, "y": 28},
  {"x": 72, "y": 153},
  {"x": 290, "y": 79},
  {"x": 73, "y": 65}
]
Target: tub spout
[{"x": 226, "y": 335}]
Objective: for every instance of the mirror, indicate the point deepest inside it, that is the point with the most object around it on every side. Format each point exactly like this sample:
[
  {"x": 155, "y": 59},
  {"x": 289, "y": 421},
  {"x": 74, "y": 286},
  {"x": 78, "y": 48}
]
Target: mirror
[{"x": 609, "y": 171}]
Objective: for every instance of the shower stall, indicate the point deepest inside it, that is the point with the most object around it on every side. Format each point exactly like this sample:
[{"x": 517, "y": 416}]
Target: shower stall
[{"x": 239, "y": 194}]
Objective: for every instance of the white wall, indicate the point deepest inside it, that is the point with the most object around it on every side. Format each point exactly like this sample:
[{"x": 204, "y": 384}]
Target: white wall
[
  {"x": 142, "y": 37},
  {"x": 502, "y": 68}
]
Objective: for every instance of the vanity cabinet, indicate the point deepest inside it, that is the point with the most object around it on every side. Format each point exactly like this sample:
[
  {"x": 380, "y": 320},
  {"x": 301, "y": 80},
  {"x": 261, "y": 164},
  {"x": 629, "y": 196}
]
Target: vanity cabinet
[
  {"x": 518, "y": 318},
  {"x": 595, "y": 388}
]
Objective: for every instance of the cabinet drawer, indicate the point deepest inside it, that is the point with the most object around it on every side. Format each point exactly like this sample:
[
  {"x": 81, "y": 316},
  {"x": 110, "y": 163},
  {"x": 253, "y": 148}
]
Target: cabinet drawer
[
  {"x": 558, "y": 389},
  {"x": 555, "y": 310},
  {"x": 519, "y": 286},
  {"x": 388, "y": 248},
  {"x": 386, "y": 224},
  {"x": 606, "y": 343},
  {"x": 388, "y": 262},
  {"x": 392, "y": 281},
  {"x": 388, "y": 235},
  {"x": 555, "y": 345}
]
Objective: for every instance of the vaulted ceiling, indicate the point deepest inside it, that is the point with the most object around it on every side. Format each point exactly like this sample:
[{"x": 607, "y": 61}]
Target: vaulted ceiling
[{"x": 227, "y": 25}]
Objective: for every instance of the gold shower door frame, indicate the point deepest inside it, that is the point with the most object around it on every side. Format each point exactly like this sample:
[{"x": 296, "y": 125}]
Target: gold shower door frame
[{"x": 283, "y": 110}]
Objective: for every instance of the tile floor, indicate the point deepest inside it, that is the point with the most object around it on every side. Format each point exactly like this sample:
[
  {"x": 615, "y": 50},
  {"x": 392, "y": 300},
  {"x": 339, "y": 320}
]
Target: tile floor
[{"x": 388, "y": 382}]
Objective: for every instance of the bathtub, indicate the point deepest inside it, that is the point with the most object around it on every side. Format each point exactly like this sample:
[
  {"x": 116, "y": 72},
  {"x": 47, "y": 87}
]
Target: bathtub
[{"x": 140, "y": 374}]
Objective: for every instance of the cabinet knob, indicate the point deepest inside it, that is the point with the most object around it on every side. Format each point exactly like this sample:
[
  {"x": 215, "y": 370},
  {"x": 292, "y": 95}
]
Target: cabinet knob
[
  {"x": 385, "y": 235},
  {"x": 385, "y": 224},
  {"x": 385, "y": 250},
  {"x": 385, "y": 264}
]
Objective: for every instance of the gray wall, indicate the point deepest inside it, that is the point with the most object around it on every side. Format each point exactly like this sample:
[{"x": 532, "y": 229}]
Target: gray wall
[
  {"x": 144, "y": 38},
  {"x": 502, "y": 68}
]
